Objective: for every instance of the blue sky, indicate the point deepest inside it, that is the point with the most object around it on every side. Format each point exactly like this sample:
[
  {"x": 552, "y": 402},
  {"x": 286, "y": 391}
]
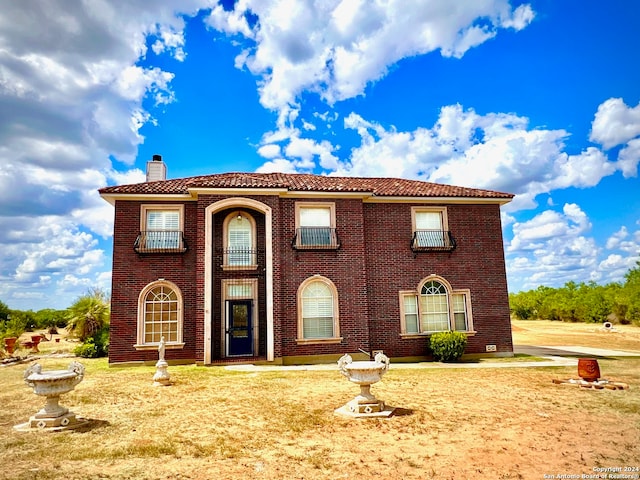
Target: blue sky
[{"x": 540, "y": 99}]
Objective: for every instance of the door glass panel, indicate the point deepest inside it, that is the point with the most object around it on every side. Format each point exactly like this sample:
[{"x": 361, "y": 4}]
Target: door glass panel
[{"x": 240, "y": 321}]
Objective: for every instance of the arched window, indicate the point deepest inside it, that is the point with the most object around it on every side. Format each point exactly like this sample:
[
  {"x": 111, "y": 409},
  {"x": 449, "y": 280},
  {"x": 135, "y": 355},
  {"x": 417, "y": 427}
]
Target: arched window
[
  {"x": 160, "y": 315},
  {"x": 435, "y": 307},
  {"x": 239, "y": 241},
  {"x": 318, "y": 311}
]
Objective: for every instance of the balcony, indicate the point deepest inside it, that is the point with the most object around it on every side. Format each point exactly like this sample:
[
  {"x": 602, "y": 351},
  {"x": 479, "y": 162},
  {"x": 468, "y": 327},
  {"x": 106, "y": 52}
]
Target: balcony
[
  {"x": 315, "y": 238},
  {"x": 160, "y": 241},
  {"x": 238, "y": 259},
  {"x": 432, "y": 241}
]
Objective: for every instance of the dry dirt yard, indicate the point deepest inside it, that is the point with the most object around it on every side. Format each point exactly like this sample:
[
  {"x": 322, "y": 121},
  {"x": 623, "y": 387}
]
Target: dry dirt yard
[{"x": 453, "y": 423}]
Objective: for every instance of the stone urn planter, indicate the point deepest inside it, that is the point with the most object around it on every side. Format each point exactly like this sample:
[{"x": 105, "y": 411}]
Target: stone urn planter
[
  {"x": 10, "y": 344},
  {"x": 51, "y": 385},
  {"x": 365, "y": 374}
]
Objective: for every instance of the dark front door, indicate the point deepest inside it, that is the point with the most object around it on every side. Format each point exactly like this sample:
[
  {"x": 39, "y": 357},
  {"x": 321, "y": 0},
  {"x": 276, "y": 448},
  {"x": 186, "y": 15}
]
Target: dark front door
[{"x": 240, "y": 329}]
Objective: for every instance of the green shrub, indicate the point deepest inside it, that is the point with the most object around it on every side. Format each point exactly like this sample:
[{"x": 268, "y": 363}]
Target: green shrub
[
  {"x": 14, "y": 327},
  {"x": 95, "y": 346},
  {"x": 87, "y": 349},
  {"x": 447, "y": 346},
  {"x": 101, "y": 340}
]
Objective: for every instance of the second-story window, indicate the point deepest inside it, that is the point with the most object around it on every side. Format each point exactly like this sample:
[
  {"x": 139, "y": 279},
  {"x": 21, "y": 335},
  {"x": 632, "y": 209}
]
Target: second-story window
[
  {"x": 239, "y": 248},
  {"x": 161, "y": 229},
  {"x": 430, "y": 229},
  {"x": 316, "y": 226}
]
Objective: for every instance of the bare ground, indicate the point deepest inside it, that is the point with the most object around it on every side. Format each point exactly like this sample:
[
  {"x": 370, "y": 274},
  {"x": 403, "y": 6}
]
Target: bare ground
[{"x": 213, "y": 423}]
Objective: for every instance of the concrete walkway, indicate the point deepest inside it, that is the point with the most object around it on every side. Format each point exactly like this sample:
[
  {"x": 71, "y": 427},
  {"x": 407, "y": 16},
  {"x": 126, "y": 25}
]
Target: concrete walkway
[
  {"x": 570, "y": 350},
  {"x": 561, "y": 356}
]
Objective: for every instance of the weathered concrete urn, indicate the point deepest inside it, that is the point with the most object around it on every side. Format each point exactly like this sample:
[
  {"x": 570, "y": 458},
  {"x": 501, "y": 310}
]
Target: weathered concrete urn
[
  {"x": 51, "y": 385},
  {"x": 364, "y": 373}
]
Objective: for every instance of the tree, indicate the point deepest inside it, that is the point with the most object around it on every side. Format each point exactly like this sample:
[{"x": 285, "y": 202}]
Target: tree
[
  {"x": 584, "y": 302},
  {"x": 89, "y": 314},
  {"x": 630, "y": 295},
  {"x": 4, "y": 311},
  {"x": 50, "y": 318}
]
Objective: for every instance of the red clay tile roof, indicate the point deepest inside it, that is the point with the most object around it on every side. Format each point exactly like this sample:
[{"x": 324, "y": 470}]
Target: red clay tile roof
[{"x": 382, "y": 187}]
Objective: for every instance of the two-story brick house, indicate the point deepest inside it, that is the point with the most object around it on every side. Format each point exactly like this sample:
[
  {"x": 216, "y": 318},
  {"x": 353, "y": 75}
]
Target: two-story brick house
[{"x": 299, "y": 268}]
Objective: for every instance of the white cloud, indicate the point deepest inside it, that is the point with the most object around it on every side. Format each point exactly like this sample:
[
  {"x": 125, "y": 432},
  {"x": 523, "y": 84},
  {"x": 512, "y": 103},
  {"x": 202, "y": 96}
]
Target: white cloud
[
  {"x": 549, "y": 224},
  {"x": 269, "y": 151},
  {"x": 307, "y": 150},
  {"x": 555, "y": 247},
  {"x": 71, "y": 80},
  {"x": 552, "y": 248},
  {"x": 336, "y": 47},
  {"x": 496, "y": 151},
  {"x": 616, "y": 239},
  {"x": 279, "y": 165},
  {"x": 615, "y": 123},
  {"x": 629, "y": 157}
]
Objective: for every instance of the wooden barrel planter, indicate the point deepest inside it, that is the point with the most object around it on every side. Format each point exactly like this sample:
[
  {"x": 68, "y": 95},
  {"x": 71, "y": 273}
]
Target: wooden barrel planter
[{"x": 588, "y": 369}]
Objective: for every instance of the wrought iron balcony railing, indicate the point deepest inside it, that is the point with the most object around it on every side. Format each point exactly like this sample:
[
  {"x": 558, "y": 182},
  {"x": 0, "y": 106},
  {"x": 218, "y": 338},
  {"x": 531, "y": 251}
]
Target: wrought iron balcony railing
[
  {"x": 432, "y": 241},
  {"x": 160, "y": 241},
  {"x": 315, "y": 238},
  {"x": 239, "y": 259}
]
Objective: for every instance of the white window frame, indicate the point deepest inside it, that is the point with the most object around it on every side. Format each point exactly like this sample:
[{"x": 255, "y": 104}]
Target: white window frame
[
  {"x": 249, "y": 291},
  {"x": 415, "y": 295},
  {"x": 141, "y": 343},
  {"x": 226, "y": 264},
  {"x": 144, "y": 209},
  {"x": 336, "y": 338},
  {"x": 331, "y": 207},
  {"x": 444, "y": 224}
]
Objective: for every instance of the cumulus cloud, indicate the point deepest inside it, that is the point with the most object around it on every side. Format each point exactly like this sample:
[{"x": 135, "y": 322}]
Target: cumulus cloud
[
  {"x": 629, "y": 157},
  {"x": 555, "y": 247},
  {"x": 335, "y": 48},
  {"x": 496, "y": 151},
  {"x": 615, "y": 123},
  {"x": 279, "y": 165},
  {"x": 552, "y": 248},
  {"x": 72, "y": 97},
  {"x": 550, "y": 224},
  {"x": 269, "y": 151}
]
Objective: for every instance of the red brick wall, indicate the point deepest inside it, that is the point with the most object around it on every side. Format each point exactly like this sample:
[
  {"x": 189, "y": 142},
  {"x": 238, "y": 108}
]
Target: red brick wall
[
  {"x": 345, "y": 267},
  {"x": 476, "y": 264},
  {"x": 133, "y": 271},
  {"x": 368, "y": 277}
]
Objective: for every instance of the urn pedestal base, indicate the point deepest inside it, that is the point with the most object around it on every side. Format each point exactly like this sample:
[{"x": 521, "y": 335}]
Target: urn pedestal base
[
  {"x": 365, "y": 410},
  {"x": 68, "y": 421}
]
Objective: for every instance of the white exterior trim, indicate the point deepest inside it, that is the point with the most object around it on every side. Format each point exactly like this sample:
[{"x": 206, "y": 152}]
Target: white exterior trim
[{"x": 208, "y": 268}]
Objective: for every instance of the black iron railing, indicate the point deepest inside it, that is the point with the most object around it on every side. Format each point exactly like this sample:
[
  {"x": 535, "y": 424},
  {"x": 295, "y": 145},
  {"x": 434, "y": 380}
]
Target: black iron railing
[
  {"x": 315, "y": 238},
  {"x": 239, "y": 258},
  {"x": 432, "y": 241},
  {"x": 160, "y": 241}
]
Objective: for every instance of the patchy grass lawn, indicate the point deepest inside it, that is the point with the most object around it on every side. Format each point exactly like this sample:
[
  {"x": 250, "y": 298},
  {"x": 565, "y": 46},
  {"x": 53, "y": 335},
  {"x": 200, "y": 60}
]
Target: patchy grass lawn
[
  {"x": 546, "y": 332},
  {"x": 213, "y": 423}
]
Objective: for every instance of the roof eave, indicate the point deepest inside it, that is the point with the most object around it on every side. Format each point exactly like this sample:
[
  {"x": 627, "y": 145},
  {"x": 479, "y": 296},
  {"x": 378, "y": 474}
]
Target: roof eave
[
  {"x": 113, "y": 197},
  {"x": 438, "y": 199}
]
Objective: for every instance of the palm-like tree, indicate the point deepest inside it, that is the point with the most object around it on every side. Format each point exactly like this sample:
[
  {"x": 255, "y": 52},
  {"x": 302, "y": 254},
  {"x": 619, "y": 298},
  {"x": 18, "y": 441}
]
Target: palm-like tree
[{"x": 89, "y": 314}]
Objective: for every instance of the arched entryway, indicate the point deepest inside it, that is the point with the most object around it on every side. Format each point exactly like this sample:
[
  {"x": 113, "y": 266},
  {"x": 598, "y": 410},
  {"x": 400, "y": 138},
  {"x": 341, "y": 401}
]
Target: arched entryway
[{"x": 236, "y": 308}]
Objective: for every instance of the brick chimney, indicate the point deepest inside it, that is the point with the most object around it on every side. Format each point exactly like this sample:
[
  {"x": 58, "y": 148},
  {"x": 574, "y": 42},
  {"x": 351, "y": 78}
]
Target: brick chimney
[{"x": 156, "y": 169}]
